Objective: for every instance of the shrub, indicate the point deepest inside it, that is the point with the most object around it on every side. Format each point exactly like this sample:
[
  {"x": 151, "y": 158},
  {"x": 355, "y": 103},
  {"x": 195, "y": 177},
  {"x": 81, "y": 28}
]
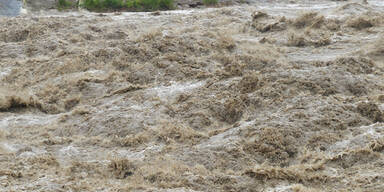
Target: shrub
[
  {"x": 149, "y": 5},
  {"x": 64, "y": 4},
  {"x": 103, "y": 5},
  {"x": 166, "y": 4},
  {"x": 113, "y": 4},
  {"x": 210, "y": 2},
  {"x": 132, "y": 5},
  {"x": 92, "y": 4}
]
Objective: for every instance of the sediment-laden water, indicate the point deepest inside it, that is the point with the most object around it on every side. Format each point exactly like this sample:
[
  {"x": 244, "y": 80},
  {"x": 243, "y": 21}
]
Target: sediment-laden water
[{"x": 270, "y": 96}]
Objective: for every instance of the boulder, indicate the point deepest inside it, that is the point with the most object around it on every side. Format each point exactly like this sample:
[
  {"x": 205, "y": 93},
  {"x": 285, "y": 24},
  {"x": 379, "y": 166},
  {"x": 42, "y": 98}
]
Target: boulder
[{"x": 10, "y": 7}]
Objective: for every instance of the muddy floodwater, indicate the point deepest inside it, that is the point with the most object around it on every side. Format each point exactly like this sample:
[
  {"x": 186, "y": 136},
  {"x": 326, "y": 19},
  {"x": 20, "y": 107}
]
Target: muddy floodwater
[{"x": 277, "y": 96}]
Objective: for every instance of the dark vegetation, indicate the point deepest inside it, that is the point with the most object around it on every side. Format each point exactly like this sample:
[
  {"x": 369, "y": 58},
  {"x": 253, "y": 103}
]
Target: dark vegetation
[
  {"x": 130, "y": 5},
  {"x": 64, "y": 4},
  {"x": 210, "y": 2}
]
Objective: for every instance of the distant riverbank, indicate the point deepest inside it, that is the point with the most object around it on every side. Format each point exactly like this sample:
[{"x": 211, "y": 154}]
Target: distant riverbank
[{"x": 17, "y": 7}]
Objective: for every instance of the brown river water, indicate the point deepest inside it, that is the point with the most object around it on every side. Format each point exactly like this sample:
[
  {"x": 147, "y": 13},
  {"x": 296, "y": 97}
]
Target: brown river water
[{"x": 274, "y": 96}]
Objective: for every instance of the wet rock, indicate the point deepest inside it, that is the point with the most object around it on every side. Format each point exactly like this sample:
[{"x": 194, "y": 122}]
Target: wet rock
[{"x": 10, "y": 7}]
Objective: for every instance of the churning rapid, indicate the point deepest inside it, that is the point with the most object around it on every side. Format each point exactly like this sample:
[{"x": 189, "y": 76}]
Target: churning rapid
[{"x": 267, "y": 96}]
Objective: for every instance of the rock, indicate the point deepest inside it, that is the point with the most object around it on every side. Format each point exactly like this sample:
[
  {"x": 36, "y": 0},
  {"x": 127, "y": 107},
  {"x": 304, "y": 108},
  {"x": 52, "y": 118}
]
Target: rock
[{"x": 10, "y": 7}]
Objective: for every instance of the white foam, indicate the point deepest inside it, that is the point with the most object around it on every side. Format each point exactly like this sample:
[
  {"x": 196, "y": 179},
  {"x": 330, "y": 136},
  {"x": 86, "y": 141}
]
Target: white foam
[
  {"x": 369, "y": 133},
  {"x": 69, "y": 151},
  {"x": 168, "y": 92}
]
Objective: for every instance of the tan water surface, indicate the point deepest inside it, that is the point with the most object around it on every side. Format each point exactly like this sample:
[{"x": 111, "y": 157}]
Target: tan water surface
[{"x": 271, "y": 96}]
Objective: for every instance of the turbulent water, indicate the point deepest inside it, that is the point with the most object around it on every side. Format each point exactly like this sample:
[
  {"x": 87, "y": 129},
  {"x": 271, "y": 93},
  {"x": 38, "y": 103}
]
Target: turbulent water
[{"x": 271, "y": 96}]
